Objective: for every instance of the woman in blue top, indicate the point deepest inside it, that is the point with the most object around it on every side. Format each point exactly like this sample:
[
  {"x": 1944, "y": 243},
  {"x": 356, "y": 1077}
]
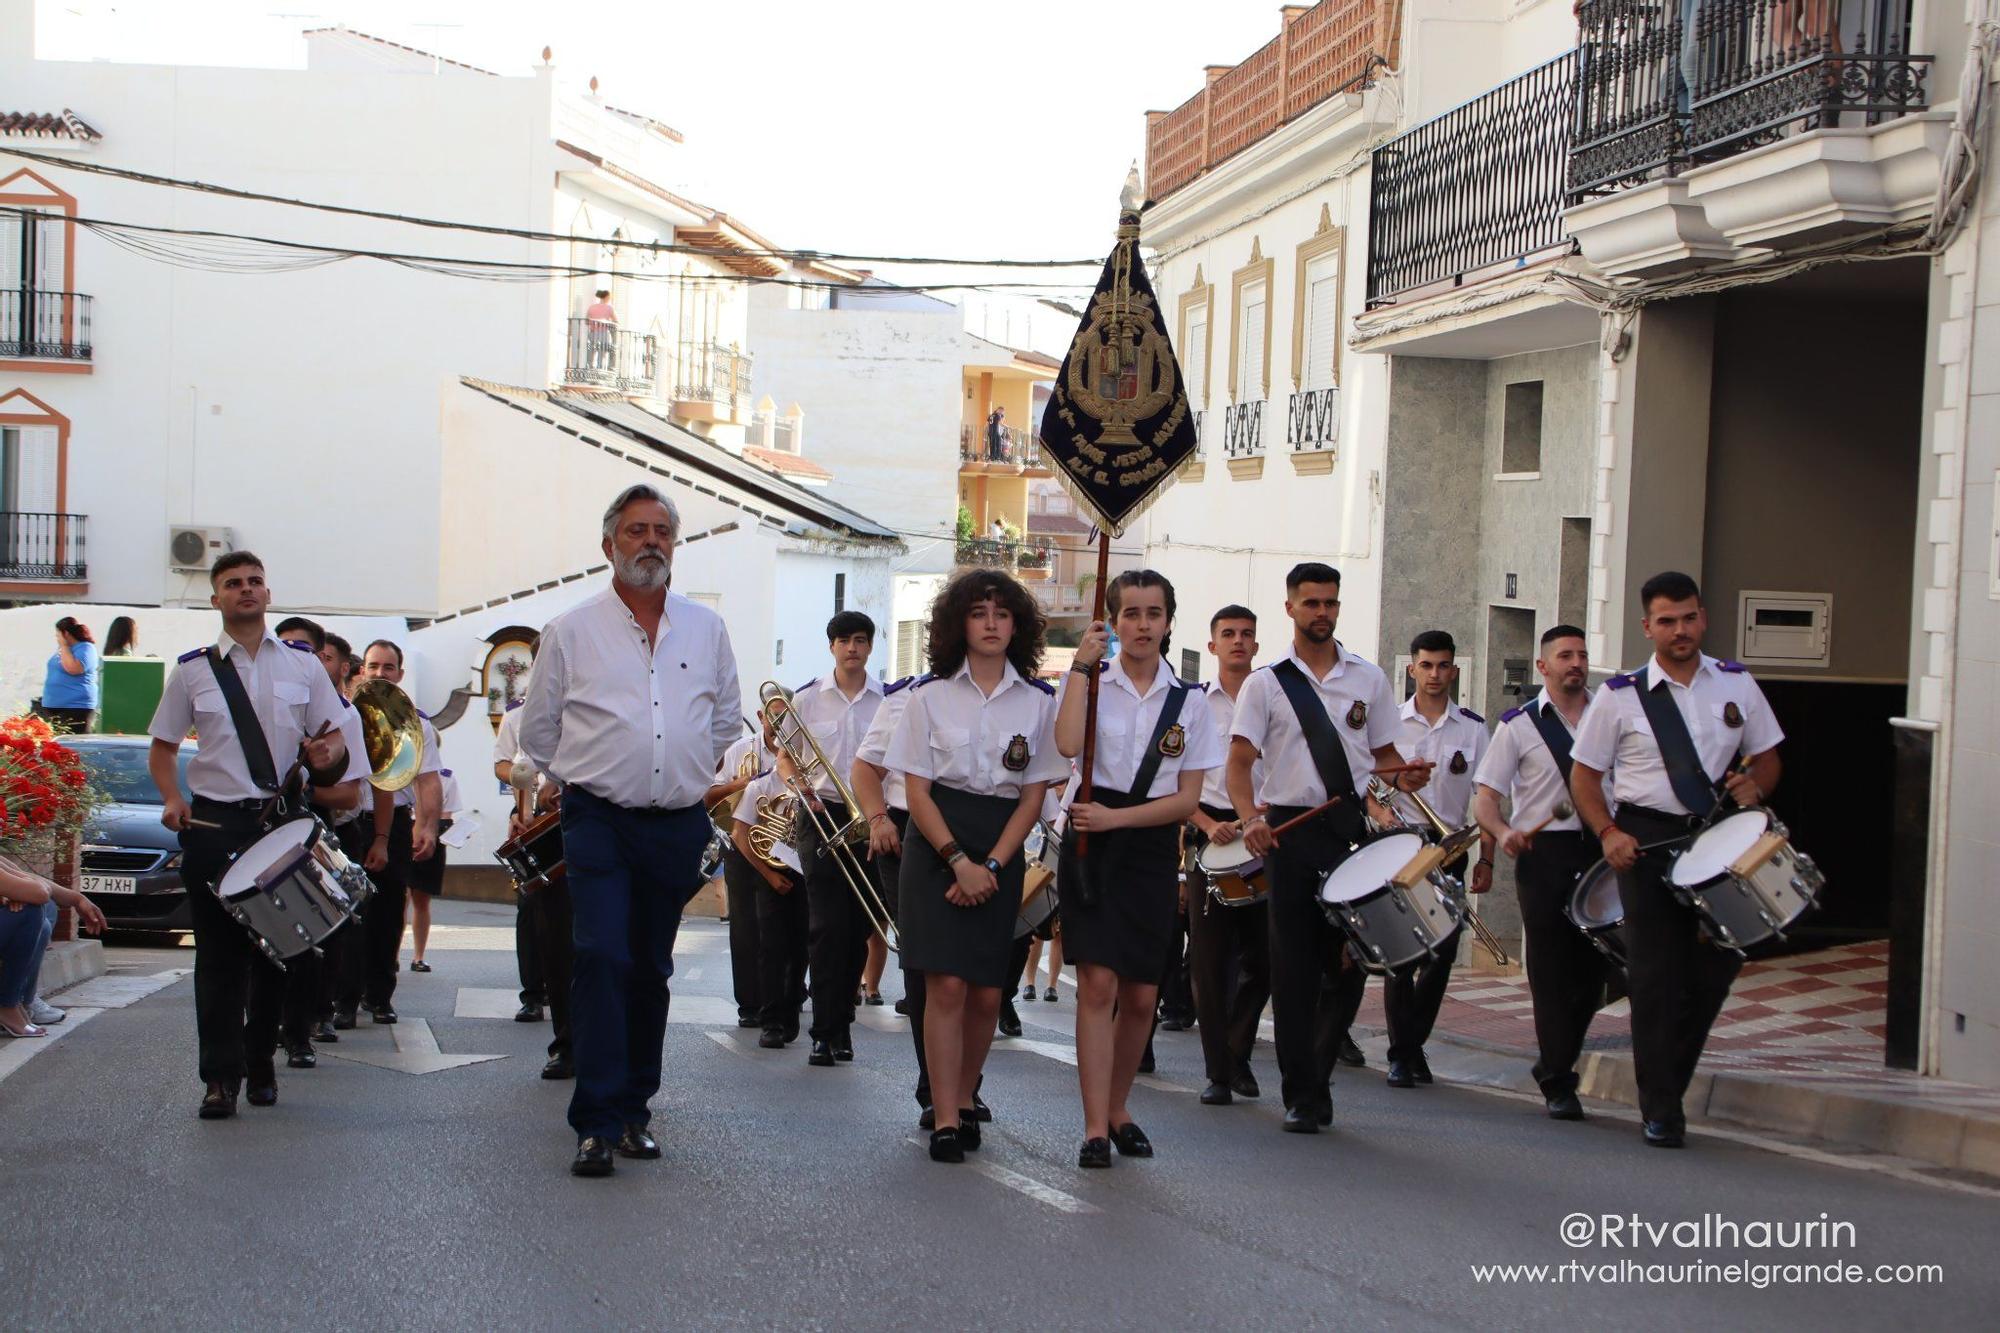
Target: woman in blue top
[{"x": 70, "y": 691}]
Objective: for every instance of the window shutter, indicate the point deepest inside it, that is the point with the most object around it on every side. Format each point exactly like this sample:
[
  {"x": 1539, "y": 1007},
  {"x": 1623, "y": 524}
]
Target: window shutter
[
  {"x": 51, "y": 233},
  {"x": 1250, "y": 360},
  {"x": 1322, "y": 340},
  {"x": 12, "y": 245},
  {"x": 34, "y": 488},
  {"x": 1194, "y": 357}
]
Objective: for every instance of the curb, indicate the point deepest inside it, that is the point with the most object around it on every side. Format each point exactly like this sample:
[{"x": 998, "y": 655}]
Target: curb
[{"x": 68, "y": 963}]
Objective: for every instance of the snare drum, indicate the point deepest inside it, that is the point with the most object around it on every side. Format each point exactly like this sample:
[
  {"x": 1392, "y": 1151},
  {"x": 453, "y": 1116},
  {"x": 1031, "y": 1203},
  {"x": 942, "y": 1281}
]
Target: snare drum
[
  {"x": 535, "y": 858},
  {"x": 1392, "y": 898},
  {"x": 1746, "y": 880},
  {"x": 292, "y": 887},
  {"x": 1235, "y": 877},
  {"x": 1038, "y": 881},
  {"x": 1596, "y": 909}
]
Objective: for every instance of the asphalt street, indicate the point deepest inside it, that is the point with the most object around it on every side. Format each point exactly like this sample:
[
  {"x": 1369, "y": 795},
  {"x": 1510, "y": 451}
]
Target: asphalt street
[{"x": 375, "y": 1197}]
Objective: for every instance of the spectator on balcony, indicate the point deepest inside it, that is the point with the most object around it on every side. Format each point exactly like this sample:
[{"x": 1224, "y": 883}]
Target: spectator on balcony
[
  {"x": 599, "y": 323},
  {"x": 996, "y": 435},
  {"x": 122, "y": 639},
  {"x": 69, "y": 690}
]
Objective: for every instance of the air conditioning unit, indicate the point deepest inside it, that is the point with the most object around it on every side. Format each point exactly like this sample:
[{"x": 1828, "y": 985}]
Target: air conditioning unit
[{"x": 193, "y": 550}]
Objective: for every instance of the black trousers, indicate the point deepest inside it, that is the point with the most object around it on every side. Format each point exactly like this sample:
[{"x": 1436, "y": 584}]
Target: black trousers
[
  {"x": 739, "y": 883},
  {"x": 1413, "y": 993},
  {"x": 1309, "y": 995},
  {"x": 382, "y": 918},
  {"x": 555, "y": 942},
  {"x": 1566, "y": 974},
  {"x": 1229, "y": 964},
  {"x": 1677, "y": 979},
  {"x": 783, "y": 930},
  {"x": 838, "y": 930},
  {"x": 528, "y": 950},
  {"x": 239, "y": 994},
  {"x": 1177, "y": 983}
]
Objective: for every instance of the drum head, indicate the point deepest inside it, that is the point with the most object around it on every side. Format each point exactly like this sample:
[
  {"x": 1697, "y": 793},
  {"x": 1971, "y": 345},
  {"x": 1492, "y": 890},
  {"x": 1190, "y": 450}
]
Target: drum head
[
  {"x": 281, "y": 842},
  {"x": 1594, "y": 902},
  {"x": 1715, "y": 850},
  {"x": 1371, "y": 866},
  {"x": 1220, "y": 858}
]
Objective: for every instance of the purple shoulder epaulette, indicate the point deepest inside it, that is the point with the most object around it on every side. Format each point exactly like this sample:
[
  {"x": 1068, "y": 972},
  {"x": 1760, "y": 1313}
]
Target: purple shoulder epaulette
[
  {"x": 894, "y": 686},
  {"x": 299, "y": 644},
  {"x": 1625, "y": 681},
  {"x": 1474, "y": 716},
  {"x": 189, "y": 657},
  {"x": 1734, "y": 668},
  {"x": 1041, "y": 685},
  {"x": 1513, "y": 713}
]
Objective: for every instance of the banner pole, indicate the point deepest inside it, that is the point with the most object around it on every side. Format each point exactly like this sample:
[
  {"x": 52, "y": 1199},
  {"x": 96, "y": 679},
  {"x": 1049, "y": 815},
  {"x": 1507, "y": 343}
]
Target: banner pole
[{"x": 1090, "y": 699}]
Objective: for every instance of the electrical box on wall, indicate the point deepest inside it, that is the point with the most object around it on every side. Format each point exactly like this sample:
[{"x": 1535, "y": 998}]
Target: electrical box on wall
[{"x": 1784, "y": 629}]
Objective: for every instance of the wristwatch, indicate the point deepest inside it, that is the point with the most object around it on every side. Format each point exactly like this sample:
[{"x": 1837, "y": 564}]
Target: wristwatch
[
  {"x": 1082, "y": 670},
  {"x": 992, "y": 865}
]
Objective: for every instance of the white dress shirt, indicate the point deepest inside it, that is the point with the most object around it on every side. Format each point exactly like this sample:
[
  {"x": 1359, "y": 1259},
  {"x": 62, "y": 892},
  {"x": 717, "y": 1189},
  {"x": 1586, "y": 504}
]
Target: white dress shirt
[
  {"x": 1126, "y": 720},
  {"x": 1520, "y": 766},
  {"x": 635, "y": 724},
  {"x": 1616, "y": 737},
  {"x": 1215, "y": 782},
  {"x": 874, "y": 747},
  {"x": 1456, "y": 745},
  {"x": 768, "y": 786},
  {"x": 507, "y": 740},
  {"x": 955, "y": 734},
  {"x": 432, "y": 762},
  {"x": 289, "y": 692},
  {"x": 1265, "y": 718},
  {"x": 732, "y": 758},
  {"x": 450, "y": 801},
  {"x": 838, "y": 723}
]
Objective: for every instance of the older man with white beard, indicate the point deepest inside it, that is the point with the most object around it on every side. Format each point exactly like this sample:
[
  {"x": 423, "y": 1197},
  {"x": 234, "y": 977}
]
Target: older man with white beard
[{"x": 632, "y": 701}]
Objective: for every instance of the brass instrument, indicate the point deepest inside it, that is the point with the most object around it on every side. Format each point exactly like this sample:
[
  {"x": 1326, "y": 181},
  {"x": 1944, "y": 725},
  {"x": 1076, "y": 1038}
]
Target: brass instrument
[
  {"x": 801, "y": 749},
  {"x": 775, "y": 826},
  {"x": 393, "y": 732},
  {"x": 1452, "y": 842},
  {"x": 722, "y": 814}
]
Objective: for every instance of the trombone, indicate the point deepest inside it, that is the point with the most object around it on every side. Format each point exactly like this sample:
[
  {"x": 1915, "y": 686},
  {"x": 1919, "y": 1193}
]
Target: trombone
[
  {"x": 1453, "y": 841},
  {"x": 838, "y": 841}
]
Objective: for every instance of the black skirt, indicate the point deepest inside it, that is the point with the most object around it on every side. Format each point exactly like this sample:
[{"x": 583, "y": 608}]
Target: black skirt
[
  {"x": 1136, "y": 874},
  {"x": 975, "y": 943}
]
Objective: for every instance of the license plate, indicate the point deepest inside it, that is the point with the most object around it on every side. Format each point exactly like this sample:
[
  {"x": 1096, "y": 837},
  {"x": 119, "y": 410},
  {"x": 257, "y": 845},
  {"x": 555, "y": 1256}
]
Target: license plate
[{"x": 110, "y": 884}]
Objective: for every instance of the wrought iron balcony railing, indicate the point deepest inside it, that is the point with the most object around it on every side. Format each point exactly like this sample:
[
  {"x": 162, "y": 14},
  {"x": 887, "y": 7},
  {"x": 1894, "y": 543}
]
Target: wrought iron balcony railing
[
  {"x": 1243, "y": 430},
  {"x": 1015, "y": 447},
  {"x": 1312, "y": 420},
  {"x": 49, "y": 326},
  {"x": 1654, "y": 97},
  {"x": 712, "y": 373},
  {"x": 1478, "y": 187},
  {"x": 42, "y": 546},
  {"x": 609, "y": 357}
]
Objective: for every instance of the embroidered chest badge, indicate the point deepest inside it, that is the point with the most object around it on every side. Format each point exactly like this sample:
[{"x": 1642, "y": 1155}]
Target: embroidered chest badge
[
  {"x": 1731, "y": 714},
  {"x": 1457, "y": 764},
  {"x": 1174, "y": 742},
  {"x": 1357, "y": 716},
  {"x": 1016, "y": 758}
]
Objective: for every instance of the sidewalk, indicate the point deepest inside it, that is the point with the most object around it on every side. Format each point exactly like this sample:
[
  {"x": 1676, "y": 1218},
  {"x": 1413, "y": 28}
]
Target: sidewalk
[{"x": 1798, "y": 1049}]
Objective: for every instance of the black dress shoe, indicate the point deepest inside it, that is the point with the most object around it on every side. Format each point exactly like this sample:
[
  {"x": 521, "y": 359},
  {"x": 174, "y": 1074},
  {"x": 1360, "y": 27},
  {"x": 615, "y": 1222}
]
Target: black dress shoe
[
  {"x": 1010, "y": 1021},
  {"x": 746, "y": 1021},
  {"x": 1216, "y": 1094},
  {"x": 1049, "y": 995},
  {"x": 1325, "y": 1116},
  {"x": 1146, "y": 1065},
  {"x": 343, "y": 1019},
  {"x": 1665, "y": 1134},
  {"x": 981, "y": 1111},
  {"x": 1565, "y": 1106},
  {"x": 946, "y": 1146},
  {"x": 903, "y": 1007},
  {"x": 420, "y": 966},
  {"x": 1301, "y": 1120},
  {"x": 1400, "y": 1075},
  {"x": 1131, "y": 1141},
  {"x": 301, "y": 1056},
  {"x": 1172, "y": 1025},
  {"x": 263, "y": 1094},
  {"x": 559, "y": 1066},
  {"x": 968, "y": 1132},
  {"x": 1028, "y": 992},
  {"x": 1095, "y": 1154},
  {"x": 382, "y": 1014},
  {"x": 1244, "y": 1084},
  {"x": 593, "y": 1157},
  {"x": 528, "y": 1013},
  {"x": 843, "y": 1048},
  {"x": 874, "y": 998},
  {"x": 637, "y": 1143},
  {"x": 820, "y": 1055},
  {"x": 1421, "y": 1069},
  {"x": 928, "y": 1119},
  {"x": 1350, "y": 1054},
  {"x": 219, "y": 1102},
  {"x": 323, "y": 1032},
  {"x": 773, "y": 1039}
]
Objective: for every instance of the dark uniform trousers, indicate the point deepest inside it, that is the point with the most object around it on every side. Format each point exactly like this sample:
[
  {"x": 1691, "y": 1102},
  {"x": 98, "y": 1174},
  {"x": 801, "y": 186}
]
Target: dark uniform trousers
[
  {"x": 528, "y": 950},
  {"x": 239, "y": 993},
  {"x": 1565, "y": 972},
  {"x": 739, "y": 883},
  {"x": 838, "y": 934},
  {"x": 1229, "y": 965},
  {"x": 313, "y": 979},
  {"x": 782, "y": 934},
  {"x": 1413, "y": 993},
  {"x": 1677, "y": 979},
  {"x": 555, "y": 953},
  {"x": 371, "y": 968},
  {"x": 1309, "y": 994}
]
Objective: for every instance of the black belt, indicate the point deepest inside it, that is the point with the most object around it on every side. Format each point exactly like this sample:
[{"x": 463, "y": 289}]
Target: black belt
[
  {"x": 1660, "y": 819},
  {"x": 1217, "y": 812},
  {"x": 248, "y": 805},
  {"x": 1576, "y": 833}
]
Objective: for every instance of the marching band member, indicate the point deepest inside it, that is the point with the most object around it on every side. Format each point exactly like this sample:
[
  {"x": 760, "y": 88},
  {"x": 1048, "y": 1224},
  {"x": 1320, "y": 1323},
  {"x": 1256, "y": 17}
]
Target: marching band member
[
  {"x": 779, "y": 903},
  {"x": 1317, "y": 720},
  {"x": 747, "y": 758},
  {"x": 1452, "y": 740},
  {"x": 527, "y": 953},
  {"x": 977, "y": 751},
  {"x": 1118, "y": 903},
  {"x": 633, "y": 702},
  {"x": 837, "y": 709},
  {"x": 252, "y": 703},
  {"x": 402, "y": 830},
  {"x": 1529, "y": 764},
  {"x": 1674, "y": 729},
  {"x": 1227, "y": 939},
  {"x": 547, "y": 908}
]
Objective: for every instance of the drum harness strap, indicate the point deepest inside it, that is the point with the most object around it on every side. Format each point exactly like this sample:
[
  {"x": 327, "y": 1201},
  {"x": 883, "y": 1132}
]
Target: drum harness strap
[
  {"x": 1088, "y": 887},
  {"x": 1329, "y": 756},
  {"x": 249, "y": 731},
  {"x": 1690, "y": 781},
  {"x": 1555, "y": 735}
]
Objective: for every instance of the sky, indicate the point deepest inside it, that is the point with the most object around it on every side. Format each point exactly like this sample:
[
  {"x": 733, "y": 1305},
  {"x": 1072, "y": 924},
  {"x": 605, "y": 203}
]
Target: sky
[{"x": 939, "y": 127}]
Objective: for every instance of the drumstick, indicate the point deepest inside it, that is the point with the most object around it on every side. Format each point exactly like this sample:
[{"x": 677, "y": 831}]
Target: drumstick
[
  {"x": 1297, "y": 820},
  {"x": 1563, "y": 810},
  {"x": 192, "y": 822}
]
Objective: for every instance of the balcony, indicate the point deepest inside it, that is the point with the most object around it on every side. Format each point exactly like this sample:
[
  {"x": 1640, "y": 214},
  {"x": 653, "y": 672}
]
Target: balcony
[
  {"x": 1032, "y": 560},
  {"x": 1476, "y": 191},
  {"x": 608, "y": 357},
  {"x": 1312, "y": 428},
  {"x": 1243, "y": 439},
  {"x": 1773, "y": 122},
  {"x": 1061, "y": 599},
  {"x": 44, "y": 326},
  {"x": 1016, "y": 452},
  {"x": 1330, "y": 48},
  {"x": 711, "y": 382},
  {"x": 42, "y": 547}
]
